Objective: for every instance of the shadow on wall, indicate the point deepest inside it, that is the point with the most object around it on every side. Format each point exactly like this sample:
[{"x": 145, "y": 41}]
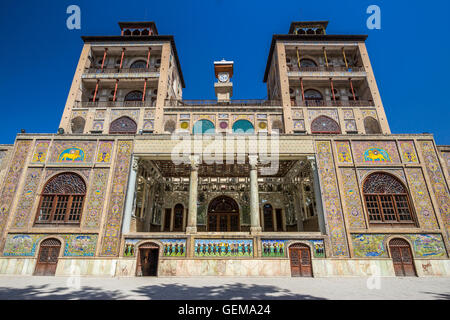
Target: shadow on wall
[{"x": 235, "y": 291}]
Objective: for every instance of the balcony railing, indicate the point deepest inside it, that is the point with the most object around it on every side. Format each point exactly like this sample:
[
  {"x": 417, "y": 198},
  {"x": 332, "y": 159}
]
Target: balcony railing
[
  {"x": 249, "y": 102},
  {"x": 325, "y": 69},
  {"x": 114, "y": 104},
  {"x": 331, "y": 103},
  {"x": 123, "y": 70}
]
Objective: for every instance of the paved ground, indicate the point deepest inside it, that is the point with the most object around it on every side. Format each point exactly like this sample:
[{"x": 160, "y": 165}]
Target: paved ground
[{"x": 27, "y": 287}]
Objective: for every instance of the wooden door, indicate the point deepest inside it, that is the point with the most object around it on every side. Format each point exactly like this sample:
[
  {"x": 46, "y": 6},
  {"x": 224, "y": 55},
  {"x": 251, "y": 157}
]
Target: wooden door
[
  {"x": 402, "y": 258},
  {"x": 300, "y": 261},
  {"x": 147, "y": 260},
  {"x": 47, "y": 258}
]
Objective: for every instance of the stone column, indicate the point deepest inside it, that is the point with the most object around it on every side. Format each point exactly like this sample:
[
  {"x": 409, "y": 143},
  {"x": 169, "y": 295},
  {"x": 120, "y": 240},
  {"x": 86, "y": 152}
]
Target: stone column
[
  {"x": 254, "y": 196},
  {"x": 131, "y": 195},
  {"x": 193, "y": 194},
  {"x": 317, "y": 194}
]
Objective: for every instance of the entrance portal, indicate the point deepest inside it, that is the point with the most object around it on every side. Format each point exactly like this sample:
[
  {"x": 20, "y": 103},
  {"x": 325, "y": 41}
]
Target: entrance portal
[
  {"x": 402, "y": 258},
  {"x": 147, "y": 260},
  {"x": 223, "y": 215},
  {"x": 48, "y": 258},
  {"x": 300, "y": 260}
]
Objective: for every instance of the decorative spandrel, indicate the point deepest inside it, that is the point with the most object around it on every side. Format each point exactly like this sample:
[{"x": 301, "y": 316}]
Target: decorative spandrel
[{"x": 380, "y": 183}]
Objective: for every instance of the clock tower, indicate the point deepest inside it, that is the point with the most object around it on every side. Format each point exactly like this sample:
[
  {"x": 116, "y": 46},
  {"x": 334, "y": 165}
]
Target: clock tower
[{"x": 223, "y": 87}]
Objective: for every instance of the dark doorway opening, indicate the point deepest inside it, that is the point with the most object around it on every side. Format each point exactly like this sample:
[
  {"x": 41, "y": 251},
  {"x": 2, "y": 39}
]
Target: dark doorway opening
[{"x": 147, "y": 260}]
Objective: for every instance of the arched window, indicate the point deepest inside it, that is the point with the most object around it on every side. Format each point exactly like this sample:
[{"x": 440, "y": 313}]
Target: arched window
[
  {"x": 203, "y": 126},
  {"x": 169, "y": 126},
  {"x": 62, "y": 199},
  {"x": 268, "y": 217},
  {"x": 123, "y": 125},
  {"x": 133, "y": 96},
  {"x": 386, "y": 199},
  {"x": 324, "y": 124},
  {"x": 313, "y": 95},
  {"x": 78, "y": 125},
  {"x": 307, "y": 63},
  {"x": 127, "y": 32},
  {"x": 139, "y": 64},
  {"x": 243, "y": 126},
  {"x": 136, "y": 32},
  {"x": 372, "y": 126}
]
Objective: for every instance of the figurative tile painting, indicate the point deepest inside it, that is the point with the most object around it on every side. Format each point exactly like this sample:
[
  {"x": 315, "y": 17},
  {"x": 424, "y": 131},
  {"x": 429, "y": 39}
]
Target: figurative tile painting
[
  {"x": 375, "y": 152},
  {"x": 174, "y": 247},
  {"x": 129, "y": 247},
  {"x": 223, "y": 248},
  {"x": 21, "y": 245},
  {"x": 318, "y": 248},
  {"x": 78, "y": 245},
  {"x": 428, "y": 245},
  {"x": 369, "y": 245},
  {"x": 72, "y": 152},
  {"x": 273, "y": 248}
]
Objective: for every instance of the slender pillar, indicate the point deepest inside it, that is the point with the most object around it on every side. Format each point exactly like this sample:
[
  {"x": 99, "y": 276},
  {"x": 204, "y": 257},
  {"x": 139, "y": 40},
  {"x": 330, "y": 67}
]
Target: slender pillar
[
  {"x": 317, "y": 194},
  {"x": 148, "y": 57},
  {"x": 131, "y": 195},
  {"x": 121, "y": 58},
  {"x": 254, "y": 196},
  {"x": 145, "y": 88},
  {"x": 96, "y": 91},
  {"x": 303, "y": 89},
  {"x": 115, "y": 90},
  {"x": 345, "y": 58},
  {"x": 332, "y": 89},
  {"x": 325, "y": 56},
  {"x": 353, "y": 90},
  {"x": 104, "y": 58},
  {"x": 298, "y": 58},
  {"x": 193, "y": 194}
]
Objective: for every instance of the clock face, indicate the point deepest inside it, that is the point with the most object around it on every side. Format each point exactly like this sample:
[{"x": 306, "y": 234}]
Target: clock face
[{"x": 223, "y": 77}]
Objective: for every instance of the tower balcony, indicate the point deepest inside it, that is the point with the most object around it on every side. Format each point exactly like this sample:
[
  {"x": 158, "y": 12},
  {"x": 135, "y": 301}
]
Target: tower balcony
[
  {"x": 331, "y": 103},
  {"x": 114, "y": 104}
]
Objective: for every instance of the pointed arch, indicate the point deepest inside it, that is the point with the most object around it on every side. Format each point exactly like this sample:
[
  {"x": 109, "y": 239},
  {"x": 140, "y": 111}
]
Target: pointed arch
[
  {"x": 372, "y": 125},
  {"x": 123, "y": 125},
  {"x": 324, "y": 124}
]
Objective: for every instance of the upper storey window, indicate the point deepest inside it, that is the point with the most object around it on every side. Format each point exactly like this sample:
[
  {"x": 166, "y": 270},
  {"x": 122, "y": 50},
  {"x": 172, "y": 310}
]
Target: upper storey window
[
  {"x": 324, "y": 124},
  {"x": 307, "y": 63},
  {"x": 140, "y": 64},
  {"x": 62, "y": 199},
  {"x": 386, "y": 199},
  {"x": 313, "y": 95},
  {"x": 134, "y": 96}
]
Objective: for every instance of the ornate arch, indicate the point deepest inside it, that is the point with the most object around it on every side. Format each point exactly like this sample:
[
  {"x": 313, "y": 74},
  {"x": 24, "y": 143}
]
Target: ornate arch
[
  {"x": 324, "y": 124},
  {"x": 203, "y": 126},
  {"x": 135, "y": 95},
  {"x": 78, "y": 124},
  {"x": 371, "y": 125},
  {"x": 243, "y": 126},
  {"x": 123, "y": 125}
]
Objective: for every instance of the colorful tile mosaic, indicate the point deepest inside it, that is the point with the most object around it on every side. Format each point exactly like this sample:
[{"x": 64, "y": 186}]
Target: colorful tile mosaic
[
  {"x": 78, "y": 245},
  {"x": 97, "y": 126},
  {"x": 95, "y": 200},
  {"x": 111, "y": 236},
  {"x": 223, "y": 115},
  {"x": 369, "y": 113},
  {"x": 40, "y": 151},
  {"x": 363, "y": 173},
  {"x": 421, "y": 198},
  {"x": 12, "y": 180},
  {"x": 297, "y": 114},
  {"x": 72, "y": 152},
  {"x": 28, "y": 197},
  {"x": 369, "y": 245},
  {"x": 236, "y": 117},
  {"x": 352, "y": 200},
  {"x": 100, "y": 114},
  {"x": 75, "y": 245},
  {"x": 85, "y": 173},
  {"x": 445, "y": 155},
  {"x": 438, "y": 181},
  {"x": 130, "y": 247},
  {"x": 133, "y": 114},
  {"x": 332, "y": 204},
  {"x": 318, "y": 248},
  {"x": 375, "y": 152},
  {"x": 174, "y": 247},
  {"x": 344, "y": 152},
  {"x": 299, "y": 125},
  {"x": 148, "y": 125},
  {"x": 348, "y": 114},
  {"x": 274, "y": 248},
  {"x": 223, "y": 248},
  {"x": 2, "y": 157},
  {"x": 350, "y": 126},
  {"x": 104, "y": 151},
  {"x": 408, "y": 151},
  {"x": 210, "y": 117},
  {"x": 313, "y": 114},
  {"x": 428, "y": 245}
]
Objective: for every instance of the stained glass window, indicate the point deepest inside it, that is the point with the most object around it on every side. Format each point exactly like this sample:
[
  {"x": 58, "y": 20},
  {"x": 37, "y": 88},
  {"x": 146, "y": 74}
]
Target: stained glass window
[
  {"x": 62, "y": 199},
  {"x": 134, "y": 96},
  {"x": 324, "y": 124},
  {"x": 386, "y": 199},
  {"x": 123, "y": 125}
]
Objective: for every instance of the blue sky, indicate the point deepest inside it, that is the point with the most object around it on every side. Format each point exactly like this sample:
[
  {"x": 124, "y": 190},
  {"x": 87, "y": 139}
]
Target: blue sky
[{"x": 410, "y": 54}]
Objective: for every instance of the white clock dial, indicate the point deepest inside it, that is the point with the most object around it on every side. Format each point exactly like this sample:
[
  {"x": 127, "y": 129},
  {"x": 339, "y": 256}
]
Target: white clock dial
[{"x": 223, "y": 77}]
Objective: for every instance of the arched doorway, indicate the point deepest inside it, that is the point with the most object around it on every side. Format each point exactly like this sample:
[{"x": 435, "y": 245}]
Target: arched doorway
[
  {"x": 178, "y": 217},
  {"x": 300, "y": 257},
  {"x": 147, "y": 260},
  {"x": 223, "y": 215},
  {"x": 47, "y": 258},
  {"x": 402, "y": 258}
]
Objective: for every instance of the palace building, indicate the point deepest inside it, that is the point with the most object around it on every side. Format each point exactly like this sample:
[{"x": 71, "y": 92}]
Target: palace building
[{"x": 141, "y": 182}]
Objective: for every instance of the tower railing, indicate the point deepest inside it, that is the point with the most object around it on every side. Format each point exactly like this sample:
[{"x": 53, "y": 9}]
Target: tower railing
[
  {"x": 121, "y": 70},
  {"x": 294, "y": 68},
  {"x": 331, "y": 103},
  {"x": 242, "y": 102},
  {"x": 114, "y": 104}
]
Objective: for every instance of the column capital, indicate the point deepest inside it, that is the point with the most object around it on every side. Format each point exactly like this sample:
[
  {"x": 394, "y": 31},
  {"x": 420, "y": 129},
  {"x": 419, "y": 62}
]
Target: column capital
[
  {"x": 194, "y": 161},
  {"x": 312, "y": 161},
  {"x": 135, "y": 163},
  {"x": 253, "y": 161}
]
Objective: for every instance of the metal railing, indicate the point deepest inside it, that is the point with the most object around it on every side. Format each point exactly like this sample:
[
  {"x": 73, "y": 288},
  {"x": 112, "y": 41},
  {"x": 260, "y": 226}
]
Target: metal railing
[
  {"x": 331, "y": 103},
  {"x": 231, "y": 103},
  {"x": 123, "y": 70},
  {"x": 325, "y": 69},
  {"x": 114, "y": 104}
]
